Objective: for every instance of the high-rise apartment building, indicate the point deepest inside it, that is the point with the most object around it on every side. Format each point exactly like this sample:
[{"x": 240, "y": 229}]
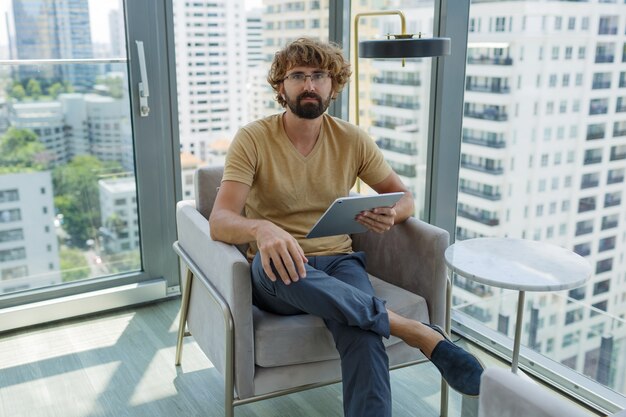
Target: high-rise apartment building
[
  {"x": 52, "y": 29},
  {"x": 543, "y": 157},
  {"x": 254, "y": 37},
  {"x": 256, "y": 90},
  {"x": 117, "y": 32},
  {"x": 29, "y": 253},
  {"x": 211, "y": 67}
]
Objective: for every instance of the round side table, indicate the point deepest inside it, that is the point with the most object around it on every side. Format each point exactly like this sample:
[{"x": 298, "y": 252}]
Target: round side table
[{"x": 517, "y": 264}]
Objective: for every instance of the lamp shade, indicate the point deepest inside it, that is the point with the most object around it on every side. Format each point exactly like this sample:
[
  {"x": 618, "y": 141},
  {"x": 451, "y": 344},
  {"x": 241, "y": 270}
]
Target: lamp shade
[{"x": 404, "y": 48}]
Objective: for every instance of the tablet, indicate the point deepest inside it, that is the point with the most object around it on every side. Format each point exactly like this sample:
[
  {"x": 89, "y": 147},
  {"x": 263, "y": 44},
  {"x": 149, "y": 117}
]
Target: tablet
[{"x": 339, "y": 217}]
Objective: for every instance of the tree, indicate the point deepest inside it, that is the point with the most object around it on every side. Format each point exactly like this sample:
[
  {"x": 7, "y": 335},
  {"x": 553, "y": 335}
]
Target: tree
[
  {"x": 55, "y": 89},
  {"x": 74, "y": 265},
  {"x": 18, "y": 92},
  {"x": 33, "y": 88},
  {"x": 77, "y": 196},
  {"x": 114, "y": 86},
  {"x": 20, "y": 150}
]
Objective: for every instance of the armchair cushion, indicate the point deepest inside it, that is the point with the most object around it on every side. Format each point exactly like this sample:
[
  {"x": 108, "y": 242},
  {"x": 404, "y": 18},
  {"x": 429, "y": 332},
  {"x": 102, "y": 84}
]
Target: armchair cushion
[{"x": 304, "y": 338}]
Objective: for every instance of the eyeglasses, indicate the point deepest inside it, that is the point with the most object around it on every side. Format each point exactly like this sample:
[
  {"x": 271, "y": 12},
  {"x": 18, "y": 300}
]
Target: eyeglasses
[{"x": 300, "y": 77}]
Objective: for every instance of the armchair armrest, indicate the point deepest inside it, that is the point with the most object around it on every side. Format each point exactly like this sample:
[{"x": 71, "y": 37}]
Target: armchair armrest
[
  {"x": 222, "y": 274},
  {"x": 411, "y": 256}
]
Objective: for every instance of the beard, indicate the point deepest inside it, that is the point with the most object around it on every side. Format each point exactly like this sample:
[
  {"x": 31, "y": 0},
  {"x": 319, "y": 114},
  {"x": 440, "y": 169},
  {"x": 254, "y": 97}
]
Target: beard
[{"x": 308, "y": 110}]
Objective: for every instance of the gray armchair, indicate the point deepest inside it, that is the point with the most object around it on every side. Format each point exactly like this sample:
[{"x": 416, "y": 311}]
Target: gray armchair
[
  {"x": 250, "y": 347},
  {"x": 505, "y": 394}
]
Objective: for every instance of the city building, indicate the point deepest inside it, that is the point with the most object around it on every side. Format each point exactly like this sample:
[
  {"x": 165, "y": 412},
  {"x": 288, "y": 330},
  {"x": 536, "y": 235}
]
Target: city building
[
  {"x": 543, "y": 158},
  {"x": 188, "y": 166},
  {"x": 211, "y": 67},
  {"x": 51, "y": 29},
  {"x": 110, "y": 132},
  {"x": 117, "y": 33},
  {"x": 254, "y": 37},
  {"x": 118, "y": 210},
  {"x": 46, "y": 120},
  {"x": 29, "y": 252},
  {"x": 79, "y": 124}
]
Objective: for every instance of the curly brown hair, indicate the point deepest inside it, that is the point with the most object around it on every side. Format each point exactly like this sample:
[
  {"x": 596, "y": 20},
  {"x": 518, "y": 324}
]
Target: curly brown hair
[{"x": 309, "y": 52}]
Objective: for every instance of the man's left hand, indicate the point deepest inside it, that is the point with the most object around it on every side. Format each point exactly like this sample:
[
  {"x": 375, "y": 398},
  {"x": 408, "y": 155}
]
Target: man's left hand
[{"x": 378, "y": 220}]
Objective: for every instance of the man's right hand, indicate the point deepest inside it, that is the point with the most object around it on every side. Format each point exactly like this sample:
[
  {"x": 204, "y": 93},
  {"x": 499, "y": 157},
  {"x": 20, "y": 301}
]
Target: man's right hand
[{"x": 282, "y": 250}]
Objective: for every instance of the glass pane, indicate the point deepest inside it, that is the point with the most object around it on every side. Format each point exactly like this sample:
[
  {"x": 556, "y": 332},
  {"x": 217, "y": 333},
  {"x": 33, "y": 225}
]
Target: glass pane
[
  {"x": 221, "y": 75},
  {"x": 542, "y": 158},
  {"x": 68, "y": 207},
  {"x": 394, "y": 96}
]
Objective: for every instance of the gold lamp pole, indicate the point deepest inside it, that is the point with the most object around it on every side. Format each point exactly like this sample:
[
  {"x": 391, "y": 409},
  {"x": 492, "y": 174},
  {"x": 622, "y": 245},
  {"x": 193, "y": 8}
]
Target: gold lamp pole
[
  {"x": 395, "y": 46},
  {"x": 356, "y": 48},
  {"x": 357, "y": 17}
]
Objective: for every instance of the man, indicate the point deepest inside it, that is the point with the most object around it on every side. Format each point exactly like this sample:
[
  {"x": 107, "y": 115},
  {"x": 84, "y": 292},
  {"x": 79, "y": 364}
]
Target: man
[{"x": 284, "y": 171}]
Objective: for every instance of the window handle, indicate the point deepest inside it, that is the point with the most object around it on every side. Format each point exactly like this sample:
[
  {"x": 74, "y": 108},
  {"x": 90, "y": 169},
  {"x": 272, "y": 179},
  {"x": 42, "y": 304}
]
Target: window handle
[{"x": 144, "y": 91}]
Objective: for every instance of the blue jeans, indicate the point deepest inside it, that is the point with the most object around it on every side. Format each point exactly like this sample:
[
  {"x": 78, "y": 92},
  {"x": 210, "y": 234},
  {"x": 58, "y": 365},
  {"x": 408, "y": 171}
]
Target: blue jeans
[{"x": 338, "y": 290}]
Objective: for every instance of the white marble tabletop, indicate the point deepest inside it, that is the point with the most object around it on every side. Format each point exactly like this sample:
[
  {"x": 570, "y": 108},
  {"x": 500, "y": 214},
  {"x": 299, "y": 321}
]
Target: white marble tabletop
[{"x": 518, "y": 264}]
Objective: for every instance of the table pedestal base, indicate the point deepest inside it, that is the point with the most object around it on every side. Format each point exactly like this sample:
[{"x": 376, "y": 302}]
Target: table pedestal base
[{"x": 518, "y": 331}]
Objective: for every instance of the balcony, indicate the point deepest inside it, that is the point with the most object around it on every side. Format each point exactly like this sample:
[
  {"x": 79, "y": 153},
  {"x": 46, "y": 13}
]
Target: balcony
[
  {"x": 595, "y": 135},
  {"x": 397, "y": 81},
  {"x": 487, "y": 115},
  {"x": 598, "y": 110},
  {"x": 482, "y": 168},
  {"x": 496, "y": 89},
  {"x": 478, "y": 218},
  {"x": 599, "y": 85},
  {"x": 619, "y": 132},
  {"x": 602, "y": 59},
  {"x": 473, "y": 287},
  {"x": 396, "y": 104},
  {"x": 583, "y": 230},
  {"x": 485, "y": 60},
  {"x": 384, "y": 124},
  {"x": 607, "y": 30},
  {"x": 490, "y": 143},
  {"x": 612, "y": 202},
  {"x": 589, "y": 184},
  {"x": 586, "y": 205},
  {"x": 481, "y": 194},
  {"x": 405, "y": 150},
  {"x": 618, "y": 156},
  {"x": 609, "y": 224},
  {"x": 583, "y": 250},
  {"x": 592, "y": 160}
]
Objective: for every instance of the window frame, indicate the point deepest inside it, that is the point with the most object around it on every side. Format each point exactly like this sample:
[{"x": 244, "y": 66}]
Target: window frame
[{"x": 157, "y": 168}]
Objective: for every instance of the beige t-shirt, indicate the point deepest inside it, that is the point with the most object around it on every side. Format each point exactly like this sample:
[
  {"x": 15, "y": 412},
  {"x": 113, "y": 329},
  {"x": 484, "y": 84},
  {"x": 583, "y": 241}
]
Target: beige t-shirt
[{"x": 293, "y": 191}]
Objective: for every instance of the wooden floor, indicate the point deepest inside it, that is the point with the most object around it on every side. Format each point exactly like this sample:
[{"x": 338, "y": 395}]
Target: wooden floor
[{"x": 122, "y": 364}]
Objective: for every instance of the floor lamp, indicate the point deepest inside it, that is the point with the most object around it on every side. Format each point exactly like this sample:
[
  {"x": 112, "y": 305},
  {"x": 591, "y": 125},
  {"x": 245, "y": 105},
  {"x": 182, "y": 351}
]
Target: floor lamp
[{"x": 403, "y": 45}]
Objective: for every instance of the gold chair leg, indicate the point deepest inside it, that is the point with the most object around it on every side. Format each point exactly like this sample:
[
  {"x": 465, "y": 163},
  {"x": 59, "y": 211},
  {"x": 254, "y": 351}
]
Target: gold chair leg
[
  {"x": 184, "y": 308},
  {"x": 444, "y": 398},
  {"x": 445, "y": 392}
]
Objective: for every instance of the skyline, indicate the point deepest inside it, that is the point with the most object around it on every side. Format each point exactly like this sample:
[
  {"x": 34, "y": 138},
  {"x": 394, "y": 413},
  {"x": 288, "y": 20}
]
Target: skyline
[{"x": 97, "y": 9}]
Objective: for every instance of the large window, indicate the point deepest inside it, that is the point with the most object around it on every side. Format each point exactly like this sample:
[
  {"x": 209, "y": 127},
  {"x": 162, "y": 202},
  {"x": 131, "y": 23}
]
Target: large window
[
  {"x": 560, "y": 172},
  {"x": 71, "y": 133}
]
